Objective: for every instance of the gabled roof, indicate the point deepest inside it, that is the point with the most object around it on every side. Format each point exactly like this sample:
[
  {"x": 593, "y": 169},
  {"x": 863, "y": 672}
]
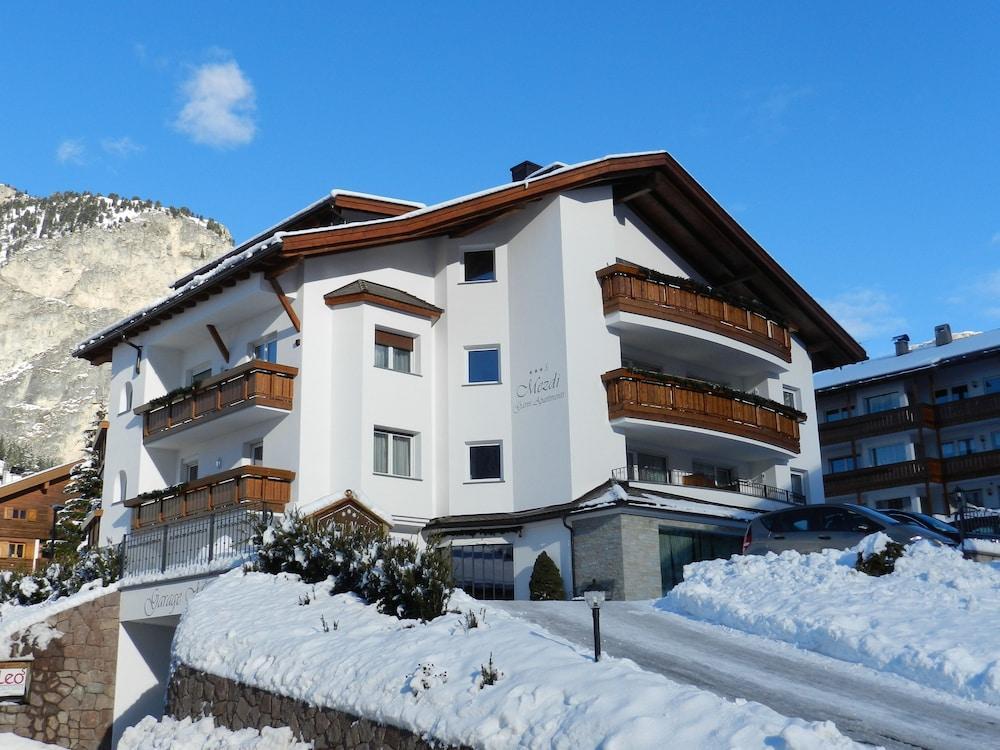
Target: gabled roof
[
  {"x": 380, "y": 294},
  {"x": 652, "y": 184},
  {"x": 34, "y": 481}
]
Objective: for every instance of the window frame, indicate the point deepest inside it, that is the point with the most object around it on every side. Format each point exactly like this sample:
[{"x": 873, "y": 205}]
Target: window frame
[
  {"x": 498, "y": 444},
  {"x": 271, "y": 340},
  {"x": 468, "y": 364},
  {"x": 869, "y": 399},
  {"x": 873, "y": 452},
  {"x": 795, "y": 393},
  {"x": 391, "y": 350},
  {"x": 831, "y": 462},
  {"x": 466, "y": 252},
  {"x": 391, "y": 435}
]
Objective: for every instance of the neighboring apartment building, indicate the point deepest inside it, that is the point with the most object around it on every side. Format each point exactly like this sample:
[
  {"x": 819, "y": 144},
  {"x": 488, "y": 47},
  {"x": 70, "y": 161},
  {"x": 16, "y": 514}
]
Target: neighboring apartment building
[
  {"x": 907, "y": 430},
  {"x": 480, "y": 369}
]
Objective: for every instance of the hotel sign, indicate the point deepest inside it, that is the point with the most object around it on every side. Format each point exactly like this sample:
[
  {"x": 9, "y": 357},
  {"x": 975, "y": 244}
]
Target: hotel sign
[
  {"x": 15, "y": 676},
  {"x": 163, "y": 600},
  {"x": 542, "y": 386}
]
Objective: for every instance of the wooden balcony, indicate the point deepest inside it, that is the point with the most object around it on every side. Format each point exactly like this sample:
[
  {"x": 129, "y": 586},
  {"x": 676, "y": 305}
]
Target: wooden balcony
[
  {"x": 664, "y": 398},
  {"x": 866, "y": 425},
  {"x": 267, "y": 489},
  {"x": 880, "y": 477},
  {"x": 969, "y": 410},
  {"x": 972, "y": 465},
  {"x": 255, "y": 383},
  {"x": 628, "y": 288}
]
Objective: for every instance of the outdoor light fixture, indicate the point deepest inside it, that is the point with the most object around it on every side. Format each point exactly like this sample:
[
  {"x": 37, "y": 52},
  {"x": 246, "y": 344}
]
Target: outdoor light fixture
[{"x": 594, "y": 600}]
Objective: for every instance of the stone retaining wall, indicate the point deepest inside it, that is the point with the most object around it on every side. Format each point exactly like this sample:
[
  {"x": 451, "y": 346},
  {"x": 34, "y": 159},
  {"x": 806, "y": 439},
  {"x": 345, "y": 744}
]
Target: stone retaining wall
[
  {"x": 71, "y": 699},
  {"x": 195, "y": 694}
]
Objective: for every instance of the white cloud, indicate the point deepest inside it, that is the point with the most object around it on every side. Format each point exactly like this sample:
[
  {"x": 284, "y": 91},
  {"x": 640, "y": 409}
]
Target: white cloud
[
  {"x": 71, "y": 151},
  {"x": 219, "y": 107},
  {"x": 122, "y": 147},
  {"x": 867, "y": 313}
]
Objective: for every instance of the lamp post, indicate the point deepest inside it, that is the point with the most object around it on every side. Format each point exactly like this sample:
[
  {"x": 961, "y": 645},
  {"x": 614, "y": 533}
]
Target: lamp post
[{"x": 594, "y": 600}]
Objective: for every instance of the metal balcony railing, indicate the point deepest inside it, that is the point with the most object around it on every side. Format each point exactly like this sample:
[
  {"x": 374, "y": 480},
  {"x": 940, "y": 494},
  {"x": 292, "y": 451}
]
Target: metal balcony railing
[{"x": 675, "y": 478}]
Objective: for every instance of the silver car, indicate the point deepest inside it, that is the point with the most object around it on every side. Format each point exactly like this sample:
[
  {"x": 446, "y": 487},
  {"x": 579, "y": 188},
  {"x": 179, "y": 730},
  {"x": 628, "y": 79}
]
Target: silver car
[{"x": 834, "y": 526}]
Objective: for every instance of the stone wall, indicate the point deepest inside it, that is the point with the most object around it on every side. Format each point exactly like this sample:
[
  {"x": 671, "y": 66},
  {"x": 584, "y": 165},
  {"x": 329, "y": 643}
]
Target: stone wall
[
  {"x": 195, "y": 694},
  {"x": 71, "y": 698}
]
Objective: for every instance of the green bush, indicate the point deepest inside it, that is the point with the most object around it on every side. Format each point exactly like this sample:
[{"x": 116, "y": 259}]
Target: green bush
[
  {"x": 546, "y": 583},
  {"x": 57, "y": 581},
  {"x": 398, "y": 577},
  {"x": 880, "y": 563}
]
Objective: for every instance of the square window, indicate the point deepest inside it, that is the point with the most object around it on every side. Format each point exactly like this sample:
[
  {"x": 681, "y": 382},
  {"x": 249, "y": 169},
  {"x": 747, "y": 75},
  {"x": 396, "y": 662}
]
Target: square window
[
  {"x": 484, "y": 365},
  {"x": 266, "y": 351},
  {"x": 480, "y": 265},
  {"x": 790, "y": 396},
  {"x": 484, "y": 462}
]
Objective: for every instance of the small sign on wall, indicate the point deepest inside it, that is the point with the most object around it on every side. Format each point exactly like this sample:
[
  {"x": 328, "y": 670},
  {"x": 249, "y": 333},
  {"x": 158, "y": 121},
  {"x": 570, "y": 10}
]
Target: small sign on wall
[{"x": 15, "y": 676}]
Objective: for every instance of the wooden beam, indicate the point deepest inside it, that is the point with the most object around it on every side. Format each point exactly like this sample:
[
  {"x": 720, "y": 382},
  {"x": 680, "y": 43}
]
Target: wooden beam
[
  {"x": 287, "y": 304},
  {"x": 738, "y": 279},
  {"x": 282, "y": 268},
  {"x": 223, "y": 350}
]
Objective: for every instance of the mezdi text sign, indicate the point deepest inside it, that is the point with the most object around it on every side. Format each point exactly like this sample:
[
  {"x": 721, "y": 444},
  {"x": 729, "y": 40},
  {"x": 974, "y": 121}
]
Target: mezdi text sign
[{"x": 14, "y": 677}]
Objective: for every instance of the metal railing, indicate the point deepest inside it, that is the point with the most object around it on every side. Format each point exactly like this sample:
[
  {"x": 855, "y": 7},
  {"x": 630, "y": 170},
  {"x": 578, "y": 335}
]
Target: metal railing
[
  {"x": 676, "y": 478},
  {"x": 188, "y": 544}
]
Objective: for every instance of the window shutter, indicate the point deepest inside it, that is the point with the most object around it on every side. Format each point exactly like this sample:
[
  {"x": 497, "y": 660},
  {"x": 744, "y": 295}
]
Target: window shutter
[
  {"x": 8, "y": 513},
  {"x": 32, "y": 515},
  {"x": 394, "y": 339}
]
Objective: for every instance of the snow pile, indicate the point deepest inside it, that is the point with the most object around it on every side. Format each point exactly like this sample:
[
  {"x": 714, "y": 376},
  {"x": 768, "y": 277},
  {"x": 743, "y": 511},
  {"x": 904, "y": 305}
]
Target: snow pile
[
  {"x": 16, "y": 742},
  {"x": 933, "y": 620},
  {"x": 171, "y": 734},
  {"x": 982, "y": 547},
  {"x": 281, "y": 635},
  {"x": 16, "y": 620}
]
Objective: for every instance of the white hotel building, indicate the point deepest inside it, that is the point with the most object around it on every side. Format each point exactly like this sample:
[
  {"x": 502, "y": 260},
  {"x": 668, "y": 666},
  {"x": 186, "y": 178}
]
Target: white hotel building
[{"x": 594, "y": 360}]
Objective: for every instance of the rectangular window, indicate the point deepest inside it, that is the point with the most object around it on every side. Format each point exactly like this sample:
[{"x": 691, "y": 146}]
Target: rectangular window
[
  {"x": 13, "y": 549},
  {"x": 991, "y": 384},
  {"x": 485, "y": 462},
  {"x": 883, "y": 402},
  {"x": 995, "y": 440},
  {"x": 200, "y": 376},
  {"x": 17, "y": 514},
  {"x": 791, "y": 397},
  {"x": 479, "y": 265},
  {"x": 842, "y": 463},
  {"x": 798, "y": 486},
  {"x": 947, "y": 395},
  {"x": 484, "y": 365},
  {"x": 835, "y": 415},
  {"x": 257, "y": 454},
  {"x": 189, "y": 471},
  {"x": 266, "y": 351},
  {"x": 393, "y": 454},
  {"x": 961, "y": 447},
  {"x": 485, "y": 571},
  {"x": 393, "y": 351},
  {"x": 888, "y": 454},
  {"x": 720, "y": 476},
  {"x": 644, "y": 467}
]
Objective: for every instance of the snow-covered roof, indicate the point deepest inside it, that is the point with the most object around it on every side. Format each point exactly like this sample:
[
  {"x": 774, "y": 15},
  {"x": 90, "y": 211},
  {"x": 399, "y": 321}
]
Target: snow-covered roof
[
  {"x": 616, "y": 494},
  {"x": 920, "y": 357}
]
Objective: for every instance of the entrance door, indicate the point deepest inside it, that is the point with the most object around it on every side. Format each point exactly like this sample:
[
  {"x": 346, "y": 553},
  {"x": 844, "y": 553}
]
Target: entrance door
[{"x": 678, "y": 547}]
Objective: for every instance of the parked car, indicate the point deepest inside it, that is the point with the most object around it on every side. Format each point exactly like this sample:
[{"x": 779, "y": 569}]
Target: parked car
[
  {"x": 837, "y": 526},
  {"x": 928, "y": 522}
]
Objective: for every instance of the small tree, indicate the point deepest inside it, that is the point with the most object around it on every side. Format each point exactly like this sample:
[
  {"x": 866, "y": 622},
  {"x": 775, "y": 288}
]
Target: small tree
[
  {"x": 546, "y": 583},
  {"x": 880, "y": 563},
  {"x": 87, "y": 483}
]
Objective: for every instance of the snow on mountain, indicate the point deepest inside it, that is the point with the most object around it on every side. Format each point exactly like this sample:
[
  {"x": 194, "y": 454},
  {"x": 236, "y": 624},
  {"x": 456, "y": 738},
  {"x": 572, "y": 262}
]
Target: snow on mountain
[{"x": 72, "y": 263}]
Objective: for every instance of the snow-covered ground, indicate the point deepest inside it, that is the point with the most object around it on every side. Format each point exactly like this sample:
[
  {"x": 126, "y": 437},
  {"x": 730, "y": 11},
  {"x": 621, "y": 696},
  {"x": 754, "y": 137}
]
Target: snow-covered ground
[
  {"x": 10, "y": 741},
  {"x": 934, "y": 620},
  {"x": 16, "y": 620},
  {"x": 171, "y": 734},
  {"x": 279, "y": 634}
]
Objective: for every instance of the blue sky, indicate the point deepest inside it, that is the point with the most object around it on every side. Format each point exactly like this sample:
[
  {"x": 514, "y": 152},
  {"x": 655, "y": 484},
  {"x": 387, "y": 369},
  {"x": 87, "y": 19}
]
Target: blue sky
[{"x": 856, "y": 141}]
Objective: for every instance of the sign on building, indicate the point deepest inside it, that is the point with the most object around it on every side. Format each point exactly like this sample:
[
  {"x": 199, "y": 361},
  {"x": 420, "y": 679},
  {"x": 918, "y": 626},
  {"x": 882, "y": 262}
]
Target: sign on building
[{"x": 14, "y": 678}]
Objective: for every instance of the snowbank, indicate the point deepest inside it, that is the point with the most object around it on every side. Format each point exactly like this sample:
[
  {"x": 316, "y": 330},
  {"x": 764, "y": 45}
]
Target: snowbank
[
  {"x": 16, "y": 619},
  {"x": 281, "y": 635},
  {"x": 9, "y": 741},
  {"x": 170, "y": 734},
  {"x": 934, "y": 620}
]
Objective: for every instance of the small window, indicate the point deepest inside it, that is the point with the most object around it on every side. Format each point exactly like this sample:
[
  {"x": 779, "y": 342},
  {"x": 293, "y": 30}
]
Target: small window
[
  {"x": 888, "y": 454},
  {"x": 947, "y": 395},
  {"x": 393, "y": 351},
  {"x": 720, "y": 476},
  {"x": 480, "y": 265},
  {"x": 266, "y": 351},
  {"x": 17, "y": 514},
  {"x": 798, "y": 485},
  {"x": 835, "y": 415},
  {"x": 189, "y": 471},
  {"x": 122, "y": 493},
  {"x": 393, "y": 454},
  {"x": 14, "y": 549},
  {"x": 991, "y": 384},
  {"x": 485, "y": 462},
  {"x": 200, "y": 376},
  {"x": 961, "y": 447},
  {"x": 645, "y": 467},
  {"x": 257, "y": 454},
  {"x": 125, "y": 400},
  {"x": 790, "y": 396},
  {"x": 883, "y": 402},
  {"x": 843, "y": 463},
  {"x": 484, "y": 365}
]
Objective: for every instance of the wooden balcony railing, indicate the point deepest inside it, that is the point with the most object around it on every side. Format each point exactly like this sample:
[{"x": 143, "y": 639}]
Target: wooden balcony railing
[
  {"x": 972, "y": 465},
  {"x": 628, "y": 288},
  {"x": 268, "y": 489},
  {"x": 969, "y": 409},
  {"x": 664, "y": 398},
  {"x": 866, "y": 425},
  {"x": 254, "y": 383},
  {"x": 879, "y": 477}
]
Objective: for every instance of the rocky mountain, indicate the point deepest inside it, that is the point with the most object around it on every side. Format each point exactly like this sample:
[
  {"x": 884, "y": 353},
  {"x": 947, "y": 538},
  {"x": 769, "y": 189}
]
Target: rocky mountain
[{"x": 70, "y": 264}]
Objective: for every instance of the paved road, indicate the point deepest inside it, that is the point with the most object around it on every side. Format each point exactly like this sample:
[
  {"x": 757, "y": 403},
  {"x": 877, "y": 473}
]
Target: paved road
[{"x": 865, "y": 704}]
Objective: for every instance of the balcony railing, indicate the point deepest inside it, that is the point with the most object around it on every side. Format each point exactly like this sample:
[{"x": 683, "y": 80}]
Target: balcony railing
[
  {"x": 969, "y": 409},
  {"x": 879, "y": 477},
  {"x": 270, "y": 488},
  {"x": 972, "y": 465},
  {"x": 628, "y": 288},
  {"x": 677, "y": 478},
  {"x": 255, "y": 383},
  {"x": 879, "y": 423},
  {"x": 220, "y": 539},
  {"x": 664, "y": 398}
]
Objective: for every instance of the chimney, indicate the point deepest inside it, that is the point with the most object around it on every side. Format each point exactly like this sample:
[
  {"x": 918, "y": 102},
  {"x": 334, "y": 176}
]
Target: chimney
[
  {"x": 942, "y": 334},
  {"x": 521, "y": 171},
  {"x": 902, "y": 344}
]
